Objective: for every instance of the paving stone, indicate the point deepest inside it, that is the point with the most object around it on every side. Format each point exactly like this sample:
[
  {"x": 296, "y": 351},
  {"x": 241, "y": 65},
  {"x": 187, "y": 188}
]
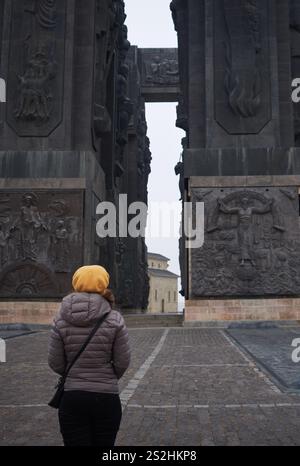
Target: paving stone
[
  {"x": 199, "y": 389},
  {"x": 271, "y": 348}
]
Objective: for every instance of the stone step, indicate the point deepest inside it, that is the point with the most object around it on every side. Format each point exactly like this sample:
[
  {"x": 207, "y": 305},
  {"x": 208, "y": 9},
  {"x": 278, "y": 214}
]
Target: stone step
[{"x": 140, "y": 320}]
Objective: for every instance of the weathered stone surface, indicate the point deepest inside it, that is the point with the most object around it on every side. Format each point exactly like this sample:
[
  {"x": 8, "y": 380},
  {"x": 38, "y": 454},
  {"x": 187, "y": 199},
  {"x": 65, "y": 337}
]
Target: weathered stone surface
[
  {"x": 251, "y": 243},
  {"x": 73, "y": 99},
  {"x": 235, "y": 309},
  {"x": 25, "y": 312},
  {"x": 40, "y": 238},
  {"x": 159, "y": 74},
  {"x": 241, "y": 130},
  {"x": 242, "y": 71},
  {"x": 36, "y": 67}
]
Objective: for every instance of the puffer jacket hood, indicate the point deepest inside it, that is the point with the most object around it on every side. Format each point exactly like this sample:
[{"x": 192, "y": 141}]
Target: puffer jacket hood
[{"x": 84, "y": 309}]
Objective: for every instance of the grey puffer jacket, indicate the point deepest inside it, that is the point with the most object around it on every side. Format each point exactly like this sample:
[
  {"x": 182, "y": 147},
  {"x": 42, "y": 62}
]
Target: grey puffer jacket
[{"x": 107, "y": 355}]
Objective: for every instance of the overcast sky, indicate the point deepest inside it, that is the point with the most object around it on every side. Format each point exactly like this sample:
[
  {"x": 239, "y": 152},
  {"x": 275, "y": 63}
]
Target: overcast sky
[{"x": 150, "y": 25}]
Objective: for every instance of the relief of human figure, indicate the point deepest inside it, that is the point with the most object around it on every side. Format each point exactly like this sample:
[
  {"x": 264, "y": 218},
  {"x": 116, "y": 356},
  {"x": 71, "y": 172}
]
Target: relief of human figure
[
  {"x": 3, "y": 246},
  {"x": 35, "y": 97},
  {"x": 153, "y": 69},
  {"x": 60, "y": 247},
  {"x": 29, "y": 225},
  {"x": 169, "y": 68},
  {"x": 162, "y": 71},
  {"x": 245, "y": 214}
]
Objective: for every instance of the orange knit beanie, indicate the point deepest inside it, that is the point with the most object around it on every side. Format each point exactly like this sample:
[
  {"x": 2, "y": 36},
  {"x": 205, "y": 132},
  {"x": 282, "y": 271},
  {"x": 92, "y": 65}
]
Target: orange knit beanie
[{"x": 91, "y": 279}]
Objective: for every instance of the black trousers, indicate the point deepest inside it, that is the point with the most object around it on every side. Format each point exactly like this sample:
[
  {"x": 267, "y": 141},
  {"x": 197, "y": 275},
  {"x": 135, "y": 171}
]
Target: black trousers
[{"x": 89, "y": 419}]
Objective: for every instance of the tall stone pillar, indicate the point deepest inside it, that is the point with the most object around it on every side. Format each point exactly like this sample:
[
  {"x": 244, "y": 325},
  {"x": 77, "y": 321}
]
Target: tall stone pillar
[
  {"x": 61, "y": 139},
  {"x": 133, "y": 270},
  {"x": 241, "y": 158}
]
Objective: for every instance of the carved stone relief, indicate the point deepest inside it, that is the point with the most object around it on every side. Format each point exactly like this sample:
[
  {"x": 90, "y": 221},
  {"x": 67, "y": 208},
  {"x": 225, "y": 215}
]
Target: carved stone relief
[
  {"x": 36, "y": 72},
  {"x": 251, "y": 243},
  {"x": 124, "y": 104},
  {"x": 242, "y": 77},
  {"x": 145, "y": 281},
  {"x": 40, "y": 234},
  {"x": 179, "y": 10},
  {"x": 124, "y": 260},
  {"x": 28, "y": 280},
  {"x": 144, "y": 155},
  {"x": 106, "y": 30},
  {"x": 160, "y": 67},
  {"x": 161, "y": 71}
]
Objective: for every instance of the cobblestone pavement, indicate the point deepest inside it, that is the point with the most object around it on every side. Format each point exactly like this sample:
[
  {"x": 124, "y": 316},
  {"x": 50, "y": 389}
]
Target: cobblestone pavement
[{"x": 185, "y": 386}]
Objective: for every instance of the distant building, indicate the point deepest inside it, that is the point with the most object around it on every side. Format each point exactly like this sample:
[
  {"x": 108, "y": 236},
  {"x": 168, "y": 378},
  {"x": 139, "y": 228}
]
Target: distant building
[{"x": 163, "y": 296}]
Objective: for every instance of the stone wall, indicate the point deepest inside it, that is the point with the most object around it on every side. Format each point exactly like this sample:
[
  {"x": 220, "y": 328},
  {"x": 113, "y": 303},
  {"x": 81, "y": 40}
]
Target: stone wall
[
  {"x": 163, "y": 286},
  {"x": 212, "y": 310}
]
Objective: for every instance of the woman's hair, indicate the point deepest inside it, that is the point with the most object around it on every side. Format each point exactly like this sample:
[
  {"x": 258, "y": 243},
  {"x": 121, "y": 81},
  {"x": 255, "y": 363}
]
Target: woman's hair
[{"x": 109, "y": 296}]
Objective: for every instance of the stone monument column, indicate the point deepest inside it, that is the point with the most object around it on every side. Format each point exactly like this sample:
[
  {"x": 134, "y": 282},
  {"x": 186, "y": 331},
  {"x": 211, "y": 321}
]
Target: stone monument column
[
  {"x": 241, "y": 158},
  {"x": 62, "y": 139}
]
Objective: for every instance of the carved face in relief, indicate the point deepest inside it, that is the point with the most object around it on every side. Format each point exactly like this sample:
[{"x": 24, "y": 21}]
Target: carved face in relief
[
  {"x": 245, "y": 202},
  {"x": 28, "y": 201},
  {"x": 60, "y": 224}
]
